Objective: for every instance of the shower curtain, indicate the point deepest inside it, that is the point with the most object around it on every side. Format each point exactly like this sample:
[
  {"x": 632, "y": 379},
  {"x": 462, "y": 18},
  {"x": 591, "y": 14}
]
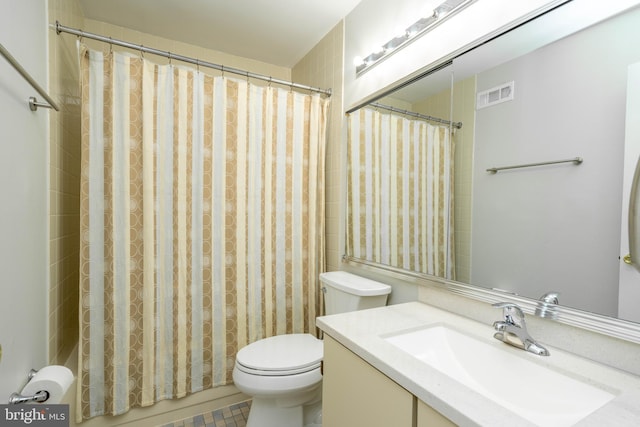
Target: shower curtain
[
  {"x": 202, "y": 226},
  {"x": 400, "y": 192}
]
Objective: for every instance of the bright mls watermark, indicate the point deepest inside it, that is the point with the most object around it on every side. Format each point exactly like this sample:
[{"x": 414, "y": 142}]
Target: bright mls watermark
[{"x": 34, "y": 415}]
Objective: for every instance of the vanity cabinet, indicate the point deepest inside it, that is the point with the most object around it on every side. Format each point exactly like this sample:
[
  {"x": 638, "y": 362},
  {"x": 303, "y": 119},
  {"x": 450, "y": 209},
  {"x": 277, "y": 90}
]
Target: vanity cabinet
[
  {"x": 429, "y": 417},
  {"x": 357, "y": 394}
]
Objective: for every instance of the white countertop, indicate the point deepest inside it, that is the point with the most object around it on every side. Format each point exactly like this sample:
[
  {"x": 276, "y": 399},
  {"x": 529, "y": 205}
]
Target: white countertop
[{"x": 362, "y": 332}]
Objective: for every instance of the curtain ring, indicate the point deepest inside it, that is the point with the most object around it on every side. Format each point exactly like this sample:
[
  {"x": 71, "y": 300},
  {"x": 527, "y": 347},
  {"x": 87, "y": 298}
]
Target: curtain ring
[
  {"x": 222, "y": 69},
  {"x": 270, "y": 81},
  {"x": 110, "y": 46},
  {"x": 142, "y": 51},
  {"x": 247, "y": 76},
  {"x": 169, "y": 54},
  {"x": 198, "y": 65}
]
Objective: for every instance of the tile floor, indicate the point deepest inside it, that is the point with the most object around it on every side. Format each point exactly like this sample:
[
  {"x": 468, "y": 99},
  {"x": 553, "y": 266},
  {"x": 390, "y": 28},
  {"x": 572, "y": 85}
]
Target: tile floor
[{"x": 231, "y": 416}]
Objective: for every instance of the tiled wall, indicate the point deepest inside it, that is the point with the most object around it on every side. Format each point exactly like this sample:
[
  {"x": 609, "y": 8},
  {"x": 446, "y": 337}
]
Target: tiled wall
[
  {"x": 323, "y": 67},
  {"x": 64, "y": 169},
  {"x": 464, "y": 95},
  {"x": 463, "y": 111}
]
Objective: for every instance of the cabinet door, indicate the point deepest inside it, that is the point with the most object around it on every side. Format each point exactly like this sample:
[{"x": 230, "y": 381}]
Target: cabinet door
[
  {"x": 429, "y": 417},
  {"x": 356, "y": 394}
]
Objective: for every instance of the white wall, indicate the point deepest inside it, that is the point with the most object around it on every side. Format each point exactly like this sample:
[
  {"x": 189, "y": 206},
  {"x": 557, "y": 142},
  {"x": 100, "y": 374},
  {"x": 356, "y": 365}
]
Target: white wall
[
  {"x": 556, "y": 227},
  {"x": 23, "y": 192}
]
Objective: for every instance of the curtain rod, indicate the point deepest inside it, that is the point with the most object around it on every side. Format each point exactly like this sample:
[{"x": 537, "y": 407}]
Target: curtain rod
[
  {"x": 62, "y": 29},
  {"x": 456, "y": 125}
]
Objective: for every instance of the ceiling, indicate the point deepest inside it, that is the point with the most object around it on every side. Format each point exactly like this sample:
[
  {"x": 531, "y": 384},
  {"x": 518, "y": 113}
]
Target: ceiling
[{"x": 278, "y": 32}]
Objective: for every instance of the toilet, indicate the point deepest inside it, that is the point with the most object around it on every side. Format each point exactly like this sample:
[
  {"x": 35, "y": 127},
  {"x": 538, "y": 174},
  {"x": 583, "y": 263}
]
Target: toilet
[{"x": 282, "y": 373}]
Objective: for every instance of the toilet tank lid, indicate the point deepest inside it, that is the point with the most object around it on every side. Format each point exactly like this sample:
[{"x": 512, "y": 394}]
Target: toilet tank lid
[{"x": 354, "y": 284}]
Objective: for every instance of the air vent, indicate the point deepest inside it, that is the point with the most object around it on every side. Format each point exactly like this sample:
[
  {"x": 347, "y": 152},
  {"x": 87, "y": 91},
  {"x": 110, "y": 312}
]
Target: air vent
[{"x": 495, "y": 95}]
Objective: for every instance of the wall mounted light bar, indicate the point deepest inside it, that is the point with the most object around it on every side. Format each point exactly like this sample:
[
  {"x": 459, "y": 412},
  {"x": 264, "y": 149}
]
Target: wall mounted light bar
[{"x": 442, "y": 12}]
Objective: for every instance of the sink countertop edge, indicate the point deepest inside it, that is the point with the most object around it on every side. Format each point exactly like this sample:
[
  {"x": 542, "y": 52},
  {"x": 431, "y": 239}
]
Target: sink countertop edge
[{"x": 362, "y": 331}]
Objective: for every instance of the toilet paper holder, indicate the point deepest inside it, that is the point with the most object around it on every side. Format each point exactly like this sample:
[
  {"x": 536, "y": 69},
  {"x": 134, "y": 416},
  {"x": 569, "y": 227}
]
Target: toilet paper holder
[{"x": 40, "y": 396}]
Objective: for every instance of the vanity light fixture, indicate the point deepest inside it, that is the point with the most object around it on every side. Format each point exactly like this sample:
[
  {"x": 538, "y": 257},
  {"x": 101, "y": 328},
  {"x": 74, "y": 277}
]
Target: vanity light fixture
[{"x": 443, "y": 11}]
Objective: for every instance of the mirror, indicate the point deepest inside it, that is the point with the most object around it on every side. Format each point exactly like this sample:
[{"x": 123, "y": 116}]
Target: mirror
[
  {"x": 400, "y": 174},
  {"x": 541, "y": 95}
]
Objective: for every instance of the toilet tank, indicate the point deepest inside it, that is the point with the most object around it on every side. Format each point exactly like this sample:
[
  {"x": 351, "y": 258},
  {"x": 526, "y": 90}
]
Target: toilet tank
[{"x": 347, "y": 292}]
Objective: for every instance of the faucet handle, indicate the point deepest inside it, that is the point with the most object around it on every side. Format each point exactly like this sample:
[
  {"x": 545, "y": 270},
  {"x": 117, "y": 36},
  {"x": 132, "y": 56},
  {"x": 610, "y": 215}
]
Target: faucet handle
[
  {"x": 512, "y": 313},
  {"x": 550, "y": 297}
]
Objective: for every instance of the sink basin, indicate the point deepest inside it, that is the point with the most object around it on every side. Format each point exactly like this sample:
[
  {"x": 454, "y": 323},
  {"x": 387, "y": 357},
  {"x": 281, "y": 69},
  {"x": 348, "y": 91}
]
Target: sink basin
[{"x": 541, "y": 395}]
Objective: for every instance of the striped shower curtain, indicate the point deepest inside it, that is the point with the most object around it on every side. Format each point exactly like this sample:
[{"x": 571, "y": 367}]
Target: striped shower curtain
[
  {"x": 400, "y": 192},
  {"x": 202, "y": 224}
]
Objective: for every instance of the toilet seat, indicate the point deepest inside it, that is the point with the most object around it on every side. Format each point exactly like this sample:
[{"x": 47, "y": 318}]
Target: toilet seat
[{"x": 281, "y": 355}]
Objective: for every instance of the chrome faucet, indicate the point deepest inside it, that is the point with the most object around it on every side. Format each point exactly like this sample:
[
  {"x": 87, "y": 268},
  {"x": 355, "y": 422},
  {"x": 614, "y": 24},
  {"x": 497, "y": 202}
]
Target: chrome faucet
[{"x": 513, "y": 330}]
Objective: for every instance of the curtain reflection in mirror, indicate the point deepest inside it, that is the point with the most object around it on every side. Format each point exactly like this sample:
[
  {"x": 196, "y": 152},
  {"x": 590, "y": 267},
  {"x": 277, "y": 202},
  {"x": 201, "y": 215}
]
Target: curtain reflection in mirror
[{"x": 400, "y": 192}]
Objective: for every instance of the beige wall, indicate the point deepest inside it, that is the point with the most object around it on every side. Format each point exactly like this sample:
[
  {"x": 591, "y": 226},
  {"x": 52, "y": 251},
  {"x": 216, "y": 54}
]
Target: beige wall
[
  {"x": 322, "y": 67},
  {"x": 439, "y": 105},
  {"x": 464, "y": 94},
  {"x": 180, "y": 48},
  {"x": 64, "y": 170}
]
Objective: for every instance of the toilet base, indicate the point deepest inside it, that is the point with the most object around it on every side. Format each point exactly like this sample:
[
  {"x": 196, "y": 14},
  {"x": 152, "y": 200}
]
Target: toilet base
[
  {"x": 313, "y": 415},
  {"x": 273, "y": 413}
]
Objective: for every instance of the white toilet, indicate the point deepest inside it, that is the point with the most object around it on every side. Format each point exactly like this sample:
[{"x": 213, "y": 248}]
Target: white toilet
[{"x": 282, "y": 373}]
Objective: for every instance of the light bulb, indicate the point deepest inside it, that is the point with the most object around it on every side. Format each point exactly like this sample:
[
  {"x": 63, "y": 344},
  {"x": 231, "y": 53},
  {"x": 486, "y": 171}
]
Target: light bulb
[{"x": 377, "y": 49}]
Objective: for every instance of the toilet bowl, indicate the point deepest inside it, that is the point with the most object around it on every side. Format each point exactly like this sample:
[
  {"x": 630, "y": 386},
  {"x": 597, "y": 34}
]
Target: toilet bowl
[{"x": 282, "y": 373}]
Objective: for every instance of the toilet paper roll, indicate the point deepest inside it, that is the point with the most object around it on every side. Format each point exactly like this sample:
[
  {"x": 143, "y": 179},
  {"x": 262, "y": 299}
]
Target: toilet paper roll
[{"x": 53, "y": 379}]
